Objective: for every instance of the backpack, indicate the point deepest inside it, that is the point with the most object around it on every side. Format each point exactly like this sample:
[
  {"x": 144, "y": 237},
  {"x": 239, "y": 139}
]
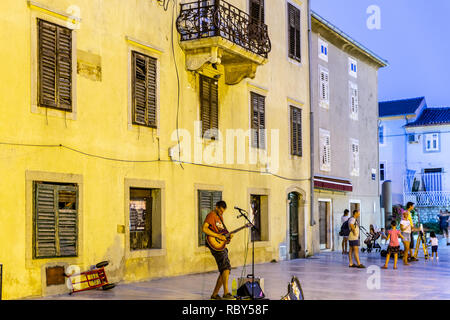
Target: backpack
[{"x": 345, "y": 229}]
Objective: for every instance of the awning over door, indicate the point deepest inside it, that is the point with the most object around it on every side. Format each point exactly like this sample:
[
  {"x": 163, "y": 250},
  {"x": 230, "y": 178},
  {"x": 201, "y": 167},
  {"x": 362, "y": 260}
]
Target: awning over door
[{"x": 332, "y": 183}]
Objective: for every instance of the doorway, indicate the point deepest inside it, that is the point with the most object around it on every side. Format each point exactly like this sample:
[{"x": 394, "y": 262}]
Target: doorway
[
  {"x": 325, "y": 224},
  {"x": 294, "y": 237},
  {"x": 355, "y": 205}
]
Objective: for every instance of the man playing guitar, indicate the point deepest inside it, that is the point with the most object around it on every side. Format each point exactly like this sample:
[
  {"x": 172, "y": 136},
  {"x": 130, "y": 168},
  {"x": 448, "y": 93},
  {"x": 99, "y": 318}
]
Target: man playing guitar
[{"x": 213, "y": 226}]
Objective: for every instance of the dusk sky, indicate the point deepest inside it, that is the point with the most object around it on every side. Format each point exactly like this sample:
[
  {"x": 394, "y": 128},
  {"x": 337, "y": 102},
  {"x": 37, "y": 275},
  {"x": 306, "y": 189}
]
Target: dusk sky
[{"x": 414, "y": 37}]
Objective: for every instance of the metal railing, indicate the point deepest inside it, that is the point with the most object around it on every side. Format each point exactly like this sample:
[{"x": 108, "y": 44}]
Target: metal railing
[
  {"x": 211, "y": 18},
  {"x": 426, "y": 189},
  {"x": 428, "y": 198}
]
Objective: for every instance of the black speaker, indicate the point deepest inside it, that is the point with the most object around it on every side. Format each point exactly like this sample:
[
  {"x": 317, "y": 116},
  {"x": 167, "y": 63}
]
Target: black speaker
[{"x": 246, "y": 290}]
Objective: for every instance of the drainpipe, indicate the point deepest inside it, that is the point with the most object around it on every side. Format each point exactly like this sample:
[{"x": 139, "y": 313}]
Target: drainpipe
[
  {"x": 311, "y": 127},
  {"x": 406, "y": 157}
]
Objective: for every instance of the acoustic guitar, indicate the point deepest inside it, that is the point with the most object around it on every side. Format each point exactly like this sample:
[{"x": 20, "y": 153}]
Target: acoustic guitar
[{"x": 219, "y": 245}]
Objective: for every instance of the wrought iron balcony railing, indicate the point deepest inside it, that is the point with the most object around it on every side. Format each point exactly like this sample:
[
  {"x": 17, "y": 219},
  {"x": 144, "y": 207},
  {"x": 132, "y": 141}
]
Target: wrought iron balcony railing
[
  {"x": 211, "y": 18},
  {"x": 428, "y": 198}
]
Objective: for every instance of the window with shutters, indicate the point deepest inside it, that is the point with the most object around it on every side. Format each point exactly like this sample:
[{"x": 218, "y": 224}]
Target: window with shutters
[
  {"x": 354, "y": 100},
  {"x": 382, "y": 170},
  {"x": 325, "y": 150},
  {"x": 55, "y": 66},
  {"x": 294, "y": 32},
  {"x": 256, "y": 10},
  {"x": 381, "y": 134},
  {"x": 55, "y": 220},
  {"x": 296, "y": 131},
  {"x": 352, "y": 67},
  {"x": 207, "y": 200},
  {"x": 258, "y": 121},
  {"x": 354, "y": 157},
  {"x": 323, "y": 50},
  {"x": 144, "y": 77},
  {"x": 141, "y": 216},
  {"x": 431, "y": 142},
  {"x": 324, "y": 88},
  {"x": 209, "y": 107}
]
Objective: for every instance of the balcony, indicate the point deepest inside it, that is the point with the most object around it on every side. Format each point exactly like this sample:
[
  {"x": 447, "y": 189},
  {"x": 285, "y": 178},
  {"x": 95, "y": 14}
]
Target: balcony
[
  {"x": 426, "y": 189},
  {"x": 216, "y": 32}
]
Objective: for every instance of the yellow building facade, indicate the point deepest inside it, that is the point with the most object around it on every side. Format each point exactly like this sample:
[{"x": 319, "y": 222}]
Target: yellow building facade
[{"x": 92, "y": 172}]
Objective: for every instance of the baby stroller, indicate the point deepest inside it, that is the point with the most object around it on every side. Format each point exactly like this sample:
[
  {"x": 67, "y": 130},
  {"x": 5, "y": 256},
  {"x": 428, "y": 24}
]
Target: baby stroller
[{"x": 371, "y": 240}]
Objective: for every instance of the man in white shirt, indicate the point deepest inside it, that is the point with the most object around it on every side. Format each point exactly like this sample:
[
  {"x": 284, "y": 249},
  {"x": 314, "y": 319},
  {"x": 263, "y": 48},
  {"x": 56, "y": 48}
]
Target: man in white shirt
[{"x": 344, "y": 218}]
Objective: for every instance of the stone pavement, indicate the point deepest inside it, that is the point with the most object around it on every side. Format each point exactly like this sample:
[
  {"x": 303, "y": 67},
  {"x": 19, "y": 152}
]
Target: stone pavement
[{"x": 325, "y": 276}]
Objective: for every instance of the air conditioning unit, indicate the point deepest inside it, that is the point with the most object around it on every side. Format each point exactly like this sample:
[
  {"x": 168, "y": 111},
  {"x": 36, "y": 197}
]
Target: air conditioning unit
[{"x": 413, "y": 138}]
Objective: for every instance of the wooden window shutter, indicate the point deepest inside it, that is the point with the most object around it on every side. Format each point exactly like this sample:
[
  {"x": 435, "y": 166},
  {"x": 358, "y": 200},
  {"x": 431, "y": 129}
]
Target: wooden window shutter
[
  {"x": 206, "y": 203},
  {"x": 144, "y": 90},
  {"x": 55, "y": 66},
  {"x": 67, "y": 220},
  {"x": 296, "y": 131},
  {"x": 258, "y": 121},
  {"x": 45, "y": 221},
  {"x": 294, "y": 32},
  {"x": 325, "y": 151},
  {"x": 209, "y": 105},
  {"x": 257, "y": 10},
  {"x": 56, "y": 220},
  {"x": 324, "y": 85},
  {"x": 64, "y": 75},
  {"x": 355, "y": 157},
  {"x": 353, "y": 99}
]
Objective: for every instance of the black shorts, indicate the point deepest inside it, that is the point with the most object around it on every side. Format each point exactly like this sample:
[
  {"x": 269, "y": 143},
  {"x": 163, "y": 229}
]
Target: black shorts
[
  {"x": 353, "y": 243},
  {"x": 393, "y": 250},
  {"x": 434, "y": 249},
  {"x": 222, "y": 260}
]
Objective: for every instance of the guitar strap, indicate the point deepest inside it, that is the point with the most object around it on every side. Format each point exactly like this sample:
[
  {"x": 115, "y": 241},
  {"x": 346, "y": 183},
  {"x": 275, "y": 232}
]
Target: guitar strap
[{"x": 221, "y": 220}]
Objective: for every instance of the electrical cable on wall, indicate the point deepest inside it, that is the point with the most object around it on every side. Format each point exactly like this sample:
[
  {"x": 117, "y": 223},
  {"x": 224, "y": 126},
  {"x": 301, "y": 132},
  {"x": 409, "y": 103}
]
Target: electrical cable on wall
[{"x": 151, "y": 161}]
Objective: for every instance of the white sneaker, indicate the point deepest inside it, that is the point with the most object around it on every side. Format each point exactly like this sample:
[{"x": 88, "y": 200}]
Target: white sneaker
[
  {"x": 437, "y": 258},
  {"x": 432, "y": 258}
]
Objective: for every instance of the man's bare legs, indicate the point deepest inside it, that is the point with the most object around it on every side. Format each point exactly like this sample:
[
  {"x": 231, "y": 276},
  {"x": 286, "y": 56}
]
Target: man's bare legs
[{"x": 222, "y": 280}]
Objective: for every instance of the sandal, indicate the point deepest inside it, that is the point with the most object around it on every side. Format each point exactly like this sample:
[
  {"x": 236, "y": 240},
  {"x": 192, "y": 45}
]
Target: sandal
[
  {"x": 353, "y": 266},
  {"x": 383, "y": 267},
  {"x": 228, "y": 296},
  {"x": 361, "y": 266},
  {"x": 216, "y": 297}
]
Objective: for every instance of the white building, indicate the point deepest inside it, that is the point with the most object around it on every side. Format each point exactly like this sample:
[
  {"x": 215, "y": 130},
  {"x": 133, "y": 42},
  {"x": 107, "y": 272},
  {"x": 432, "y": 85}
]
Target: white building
[{"x": 415, "y": 154}]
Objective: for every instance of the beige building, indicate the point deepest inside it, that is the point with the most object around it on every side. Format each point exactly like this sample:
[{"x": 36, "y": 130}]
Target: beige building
[
  {"x": 115, "y": 142},
  {"x": 344, "y": 86}
]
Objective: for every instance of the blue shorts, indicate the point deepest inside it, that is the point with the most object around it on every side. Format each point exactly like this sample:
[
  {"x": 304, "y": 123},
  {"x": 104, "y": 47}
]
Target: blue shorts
[{"x": 353, "y": 243}]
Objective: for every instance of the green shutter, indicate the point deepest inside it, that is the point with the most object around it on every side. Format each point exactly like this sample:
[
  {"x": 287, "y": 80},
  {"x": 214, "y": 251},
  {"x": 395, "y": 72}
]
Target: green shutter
[
  {"x": 258, "y": 121},
  {"x": 55, "y": 220},
  {"x": 144, "y": 90},
  {"x": 296, "y": 131},
  {"x": 45, "y": 221},
  {"x": 67, "y": 220},
  {"x": 55, "y": 66},
  {"x": 294, "y": 32},
  {"x": 206, "y": 203},
  {"x": 47, "y": 64},
  {"x": 209, "y": 104}
]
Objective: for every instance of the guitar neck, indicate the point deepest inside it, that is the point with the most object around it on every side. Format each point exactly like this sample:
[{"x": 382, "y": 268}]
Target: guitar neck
[{"x": 238, "y": 229}]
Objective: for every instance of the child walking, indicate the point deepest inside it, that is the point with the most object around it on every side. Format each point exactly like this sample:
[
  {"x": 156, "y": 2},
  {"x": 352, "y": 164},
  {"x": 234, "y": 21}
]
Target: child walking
[
  {"x": 394, "y": 245},
  {"x": 434, "y": 245}
]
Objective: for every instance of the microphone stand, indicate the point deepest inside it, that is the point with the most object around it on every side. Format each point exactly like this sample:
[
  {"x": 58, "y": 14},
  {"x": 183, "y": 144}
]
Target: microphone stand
[{"x": 253, "y": 228}]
